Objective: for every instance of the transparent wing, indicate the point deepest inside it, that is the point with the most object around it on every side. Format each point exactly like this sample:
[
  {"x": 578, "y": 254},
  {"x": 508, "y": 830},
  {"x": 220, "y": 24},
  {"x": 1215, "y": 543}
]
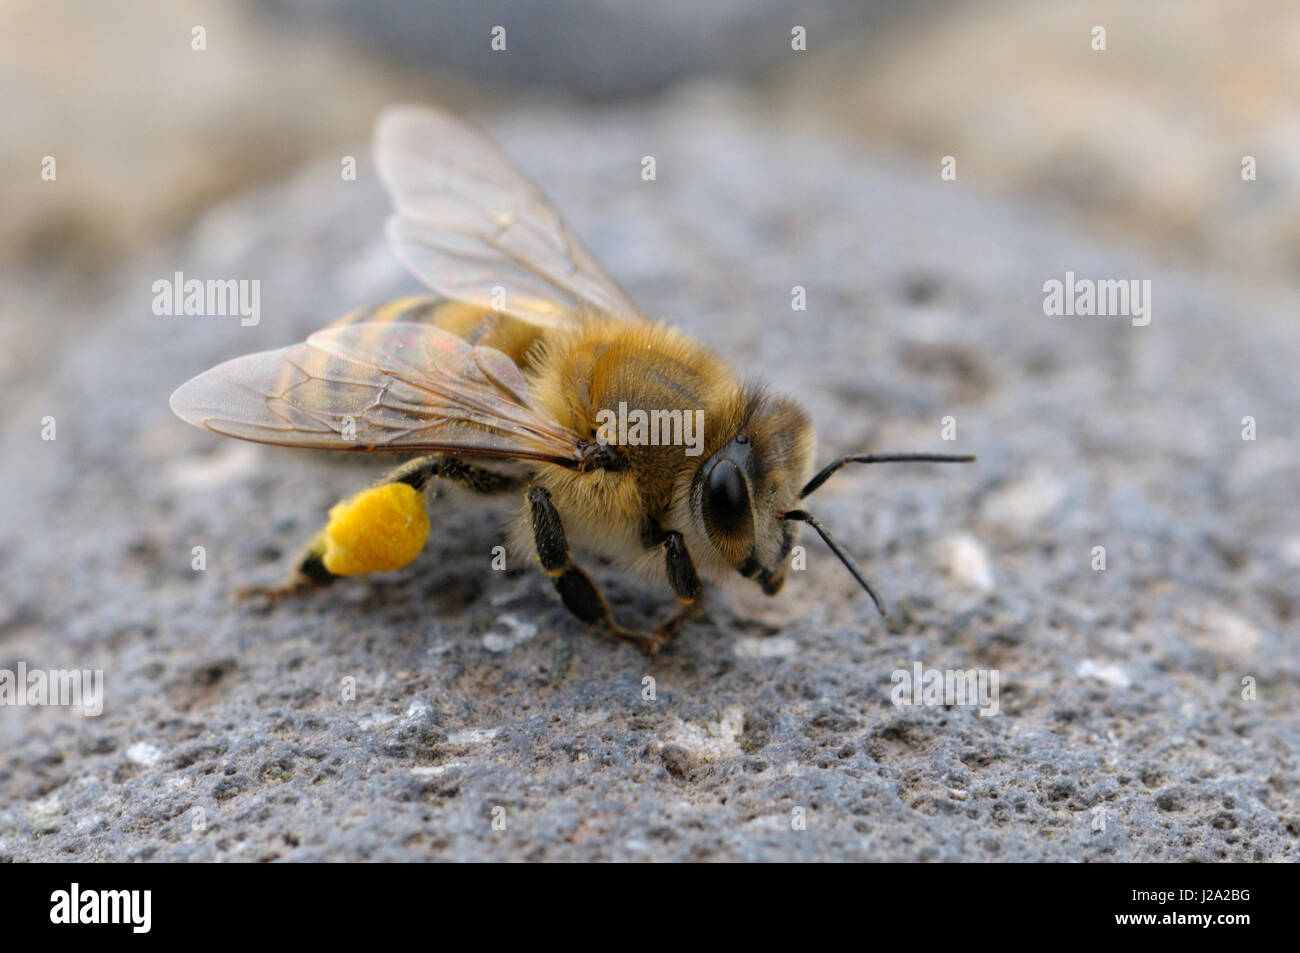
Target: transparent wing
[
  {"x": 474, "y": 228},
  {"x": 379, "y": 387}
]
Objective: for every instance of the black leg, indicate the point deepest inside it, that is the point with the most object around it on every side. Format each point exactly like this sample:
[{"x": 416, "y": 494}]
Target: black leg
[
  {"x": 308, "y": 572},
  {"x": 681, "y": 571},
  {"x": 417, "y": 473},
  {"x": 575, "y": 587},
  {"x": 684, "y": 581}
]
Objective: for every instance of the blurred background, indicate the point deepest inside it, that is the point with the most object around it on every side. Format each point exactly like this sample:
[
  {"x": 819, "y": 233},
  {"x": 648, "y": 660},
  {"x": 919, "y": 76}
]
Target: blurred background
[
  {"x": 1140, "y": 140},
  {"x": 777, "y": 166}
]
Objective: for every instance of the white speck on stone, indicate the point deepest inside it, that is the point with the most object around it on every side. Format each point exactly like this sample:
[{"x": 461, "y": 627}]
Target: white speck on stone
[
  {"x": 1236, "y": 631},
  {"x": 375, "y": 719},
  {"x": 1108, "y": 672},
  {"x": 1022, "y": 505},
  {"x": 967, "y": 560},
  {"x": 435, "y": 770},
  {"x": 517, "y": 633},
  {"x": 474, "y": 736},
  {"x": 1221, "y": 632},
  {"x": 50, "y": 804},
  {"x": 595, "y": 718},
  {"x": 418, "y": 709},
  {"x": 750, "y": 647},
  {"x": 1291, "y": 551},
  {"x": 711, "y": 741},
  {"x": 144, "y": 753},
  {"x": 175, "y": 782},
  {"x": 90, "y": 822}
]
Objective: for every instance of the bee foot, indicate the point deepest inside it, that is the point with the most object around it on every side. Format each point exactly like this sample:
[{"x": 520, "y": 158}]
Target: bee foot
[
  {"x": 667, "y": 630},
  {"x": 645, "y": 642},
  {"x": 275, "y": 593}
]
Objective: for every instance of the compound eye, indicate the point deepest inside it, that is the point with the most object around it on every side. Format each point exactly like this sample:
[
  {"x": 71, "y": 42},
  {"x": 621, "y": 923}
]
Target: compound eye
[{"x": 726, "y": 499}]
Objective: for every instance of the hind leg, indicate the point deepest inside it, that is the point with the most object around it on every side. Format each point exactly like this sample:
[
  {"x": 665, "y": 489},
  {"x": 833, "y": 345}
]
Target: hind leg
[{"x": 380, "y": 529}]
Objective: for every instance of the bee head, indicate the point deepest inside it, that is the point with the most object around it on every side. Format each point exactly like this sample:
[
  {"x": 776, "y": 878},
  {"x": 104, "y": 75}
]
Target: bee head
[
  {"x": 745, "y": 487},
  {"x": 748, "y": 492}
]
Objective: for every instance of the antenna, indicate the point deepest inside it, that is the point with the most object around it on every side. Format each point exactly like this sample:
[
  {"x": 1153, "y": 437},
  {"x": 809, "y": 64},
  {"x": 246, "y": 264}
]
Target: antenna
[
  {"x": 804, "y": 516},
  {"x": 826, "y": 473}
]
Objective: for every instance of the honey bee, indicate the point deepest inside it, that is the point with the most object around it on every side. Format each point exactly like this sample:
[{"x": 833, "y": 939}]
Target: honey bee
[{"x": 508, "y": 378}]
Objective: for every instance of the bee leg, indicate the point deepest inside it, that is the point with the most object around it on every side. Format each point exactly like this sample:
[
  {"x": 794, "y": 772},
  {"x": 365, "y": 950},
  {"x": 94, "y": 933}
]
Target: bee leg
[
  {"x": 685, "y": 584},
  {"x": 575, "y": 587},
  {"x": 417, "y": 473},
  {"x": 309, "y": 570}
]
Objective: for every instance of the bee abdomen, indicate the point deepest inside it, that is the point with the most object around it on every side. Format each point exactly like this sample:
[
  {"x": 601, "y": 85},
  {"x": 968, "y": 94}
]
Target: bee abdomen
[
  {"x": 417, "y": 309},
  {"x": 475, "y": 324}
]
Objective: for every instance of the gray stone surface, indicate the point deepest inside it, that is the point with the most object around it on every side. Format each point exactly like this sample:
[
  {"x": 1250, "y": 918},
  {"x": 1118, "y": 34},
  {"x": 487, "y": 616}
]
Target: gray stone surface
[{"x": 1122, "y": 733}]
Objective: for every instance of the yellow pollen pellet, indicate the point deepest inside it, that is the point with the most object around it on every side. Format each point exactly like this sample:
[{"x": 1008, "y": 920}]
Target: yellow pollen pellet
[{"x": 378, "y": 530}]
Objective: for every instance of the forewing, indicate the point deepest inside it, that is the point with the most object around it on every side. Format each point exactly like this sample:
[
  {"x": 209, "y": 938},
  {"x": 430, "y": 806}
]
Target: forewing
[
  {"x": 474, "y": 228},
  {"x": 378, "y": 387}
]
